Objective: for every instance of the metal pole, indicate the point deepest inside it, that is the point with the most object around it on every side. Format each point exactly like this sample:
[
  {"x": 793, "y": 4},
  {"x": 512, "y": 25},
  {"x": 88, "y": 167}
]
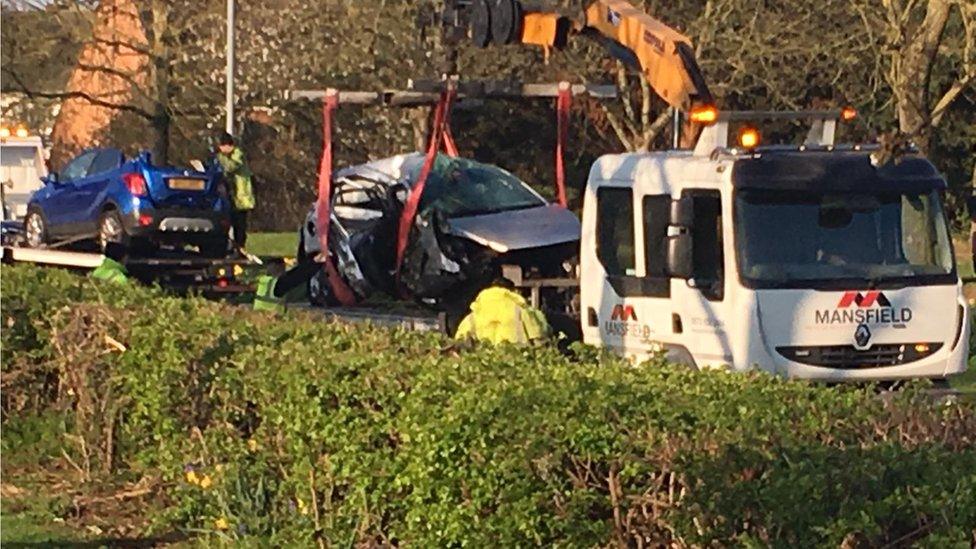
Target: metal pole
[
  {"x": 229, "y": 77},
  {"x": 676, "y": 128}
]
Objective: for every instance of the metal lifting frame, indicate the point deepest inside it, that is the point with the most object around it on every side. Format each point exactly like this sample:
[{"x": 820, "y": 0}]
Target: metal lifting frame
[
  {"x": 822, "y": 131},
  {"x": 443, "y": 94}
]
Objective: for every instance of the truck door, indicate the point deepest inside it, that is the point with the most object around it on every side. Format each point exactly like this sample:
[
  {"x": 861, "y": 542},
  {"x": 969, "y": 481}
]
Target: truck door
[
  {"x": 622, "y": 292},
  {"x": 700, "y": 308}
]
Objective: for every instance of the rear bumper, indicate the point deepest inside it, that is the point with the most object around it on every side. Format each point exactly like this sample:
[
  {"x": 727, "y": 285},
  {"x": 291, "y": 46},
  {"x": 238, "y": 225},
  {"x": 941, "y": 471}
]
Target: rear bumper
[{"x": 176, "y": 223}]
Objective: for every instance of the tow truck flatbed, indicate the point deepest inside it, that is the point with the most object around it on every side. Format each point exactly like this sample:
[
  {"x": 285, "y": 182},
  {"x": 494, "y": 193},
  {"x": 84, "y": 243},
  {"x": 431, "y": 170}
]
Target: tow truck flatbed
[{"x": 171, "y": 269}]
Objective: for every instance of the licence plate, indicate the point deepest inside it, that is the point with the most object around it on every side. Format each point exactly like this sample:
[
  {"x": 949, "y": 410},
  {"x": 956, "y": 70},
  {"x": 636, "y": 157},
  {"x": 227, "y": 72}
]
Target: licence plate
[{"x": 186, "y": 184}]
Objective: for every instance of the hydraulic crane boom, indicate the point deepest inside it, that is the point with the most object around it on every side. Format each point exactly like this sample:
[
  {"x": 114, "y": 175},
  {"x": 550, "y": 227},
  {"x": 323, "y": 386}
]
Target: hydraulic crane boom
[{"x": 664, "y": 56}]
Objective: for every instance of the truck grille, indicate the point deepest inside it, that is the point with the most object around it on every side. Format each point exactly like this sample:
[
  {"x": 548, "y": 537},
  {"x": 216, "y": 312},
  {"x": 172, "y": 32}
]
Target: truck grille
[{"x": 848, "y": 358}]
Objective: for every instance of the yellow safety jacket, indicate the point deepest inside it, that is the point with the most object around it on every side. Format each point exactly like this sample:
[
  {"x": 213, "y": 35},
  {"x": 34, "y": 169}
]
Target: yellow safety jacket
[
  {"x": 499, "y": 315},
  {"x": 111, "y": 271},
  {"x": 238, "y": 178},
  {"x": 264, "y": 298}
]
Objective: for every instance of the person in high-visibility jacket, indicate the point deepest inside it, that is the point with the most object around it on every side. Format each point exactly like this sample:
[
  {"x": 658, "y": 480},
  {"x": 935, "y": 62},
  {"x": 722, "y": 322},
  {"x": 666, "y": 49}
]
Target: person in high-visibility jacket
[
  {"x": 499, "y": 315},
  {"x": 112, "y": 268},
  {"x": 239, "y": 180}
]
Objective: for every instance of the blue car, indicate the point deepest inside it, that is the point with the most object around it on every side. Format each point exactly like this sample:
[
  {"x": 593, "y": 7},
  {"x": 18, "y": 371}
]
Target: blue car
[{"x": 102, "y": 196}]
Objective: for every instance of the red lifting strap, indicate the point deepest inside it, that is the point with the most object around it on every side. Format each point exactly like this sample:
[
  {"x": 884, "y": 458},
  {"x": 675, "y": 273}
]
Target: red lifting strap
[
  {"x": 563, "y": 103},
  {"x": 437, "y": 134},
  {"x": 450, "y": 147},
  {"x": 340, "y": 290}
]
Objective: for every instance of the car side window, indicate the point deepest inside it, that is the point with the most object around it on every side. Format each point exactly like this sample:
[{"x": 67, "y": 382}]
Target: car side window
[
  {"x": 106, "y": 161},
  {"x": 77, "y": 168}
]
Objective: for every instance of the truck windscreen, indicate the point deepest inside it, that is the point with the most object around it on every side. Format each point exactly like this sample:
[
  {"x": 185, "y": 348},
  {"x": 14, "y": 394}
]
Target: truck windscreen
[{"x": 789, "y": 239}]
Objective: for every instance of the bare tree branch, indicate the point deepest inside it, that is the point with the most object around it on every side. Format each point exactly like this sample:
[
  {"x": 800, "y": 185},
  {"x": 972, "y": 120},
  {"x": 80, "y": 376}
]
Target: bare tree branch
[{"x": 31, "y": 93}]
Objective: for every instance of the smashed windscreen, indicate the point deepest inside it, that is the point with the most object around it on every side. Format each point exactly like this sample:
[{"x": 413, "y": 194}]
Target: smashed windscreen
[
  {"x": 796, "y": 238},
  {"x": 460, "y": 187}
]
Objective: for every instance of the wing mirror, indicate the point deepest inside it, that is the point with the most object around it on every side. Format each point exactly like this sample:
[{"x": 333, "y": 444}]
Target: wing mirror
[
  {"x": 51, "y": 179},
  {"x": 680, "y": 240}
]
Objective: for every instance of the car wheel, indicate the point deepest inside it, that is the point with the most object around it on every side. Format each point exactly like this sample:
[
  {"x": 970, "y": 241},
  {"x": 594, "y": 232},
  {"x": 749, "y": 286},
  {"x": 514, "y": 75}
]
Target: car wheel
[
  {"x": 110, "y": 229},
  {"x": 35, "y": 229}
]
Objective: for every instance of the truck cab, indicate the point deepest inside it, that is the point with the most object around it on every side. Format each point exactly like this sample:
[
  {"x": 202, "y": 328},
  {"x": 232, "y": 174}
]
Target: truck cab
[{"x": 806, "y": 261}]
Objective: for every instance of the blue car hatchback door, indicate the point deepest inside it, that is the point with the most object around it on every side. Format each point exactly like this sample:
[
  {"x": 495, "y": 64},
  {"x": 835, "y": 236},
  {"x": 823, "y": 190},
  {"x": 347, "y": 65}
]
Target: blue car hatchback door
[{"x": 100, "y": 195}]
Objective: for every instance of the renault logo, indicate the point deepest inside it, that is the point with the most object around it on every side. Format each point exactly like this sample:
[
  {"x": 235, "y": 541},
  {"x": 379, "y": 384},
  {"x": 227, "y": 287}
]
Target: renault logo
[{"x": 862, "y": 337}]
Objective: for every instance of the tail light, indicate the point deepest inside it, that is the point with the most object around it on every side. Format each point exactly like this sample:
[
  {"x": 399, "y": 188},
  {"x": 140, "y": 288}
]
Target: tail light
[{"x": 136, "y": 183}]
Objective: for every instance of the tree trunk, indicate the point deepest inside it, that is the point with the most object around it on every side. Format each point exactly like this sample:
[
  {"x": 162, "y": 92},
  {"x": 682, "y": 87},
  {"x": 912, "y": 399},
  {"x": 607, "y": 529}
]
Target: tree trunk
[
  {"x": 914, "y": 72},
  {"x": 161, "y": 82},
  {"x": 160, "y": 137}
]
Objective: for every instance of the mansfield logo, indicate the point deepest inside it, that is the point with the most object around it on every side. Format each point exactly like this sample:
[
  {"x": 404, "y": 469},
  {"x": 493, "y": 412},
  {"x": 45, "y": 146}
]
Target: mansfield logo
[
  {"x": 865, "y": 300},
  {"x": 623, "y": 313},
  {"x": 623, "y": 322},
  {"x": 871, "y": 307}
]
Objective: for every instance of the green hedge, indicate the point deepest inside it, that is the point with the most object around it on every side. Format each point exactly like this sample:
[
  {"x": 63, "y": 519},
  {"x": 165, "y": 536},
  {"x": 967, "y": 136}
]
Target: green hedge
[{"x": 288, "y": 430}]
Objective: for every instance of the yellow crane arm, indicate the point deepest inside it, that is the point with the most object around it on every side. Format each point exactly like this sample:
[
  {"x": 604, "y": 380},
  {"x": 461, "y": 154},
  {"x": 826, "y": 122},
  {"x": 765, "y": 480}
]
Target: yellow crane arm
[{"x": 664, "y": 56}]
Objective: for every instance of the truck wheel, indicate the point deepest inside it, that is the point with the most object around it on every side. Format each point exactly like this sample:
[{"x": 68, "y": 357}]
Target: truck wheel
[
  {"x": 35, "y": 229},
  {"x": 111, "y": 229}
]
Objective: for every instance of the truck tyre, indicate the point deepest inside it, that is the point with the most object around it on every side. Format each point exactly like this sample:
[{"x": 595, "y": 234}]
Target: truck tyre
[
  {"x": 111, "y": 229},
  {"x": 35, "y": 229}
]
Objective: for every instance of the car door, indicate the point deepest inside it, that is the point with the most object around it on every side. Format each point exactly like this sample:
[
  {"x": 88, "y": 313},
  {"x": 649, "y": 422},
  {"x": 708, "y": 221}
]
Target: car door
[
  {"x": 61, "y": 204},
  {"x": 91, "y": 191}
]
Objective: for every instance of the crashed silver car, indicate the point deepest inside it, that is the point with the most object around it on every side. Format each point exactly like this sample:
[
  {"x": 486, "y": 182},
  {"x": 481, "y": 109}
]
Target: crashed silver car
[{"x": 472, "y": 219}]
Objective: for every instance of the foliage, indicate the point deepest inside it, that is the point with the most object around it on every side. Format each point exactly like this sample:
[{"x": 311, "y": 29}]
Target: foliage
[
  {"x": 792, "y": 55},
  {"x": 291, "y": 430}
]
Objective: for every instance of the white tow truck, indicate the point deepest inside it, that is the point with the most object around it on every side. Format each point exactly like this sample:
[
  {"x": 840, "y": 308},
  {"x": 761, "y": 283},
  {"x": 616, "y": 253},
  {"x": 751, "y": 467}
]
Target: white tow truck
[{"x": 807, "y": 261}]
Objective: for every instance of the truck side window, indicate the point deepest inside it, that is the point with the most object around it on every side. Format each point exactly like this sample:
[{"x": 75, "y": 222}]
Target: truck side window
[
  {"x": 657, "y": 211},
  {"x": 615, "y": 230},
  {"x": 708, "y": 256}
]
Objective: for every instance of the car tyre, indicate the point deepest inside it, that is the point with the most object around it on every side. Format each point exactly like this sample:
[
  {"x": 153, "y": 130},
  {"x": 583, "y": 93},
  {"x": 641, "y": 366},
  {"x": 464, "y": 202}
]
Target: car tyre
[
  {"x": 35, "y": 229},
  {"x": 111, "y": 229}
]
